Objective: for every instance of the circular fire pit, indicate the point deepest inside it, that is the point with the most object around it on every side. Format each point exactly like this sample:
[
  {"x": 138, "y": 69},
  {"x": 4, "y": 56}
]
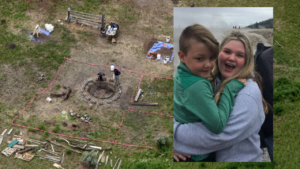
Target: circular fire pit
[
  {"x": 102, "y": 90},
  {"x": 98, "y": 91}
]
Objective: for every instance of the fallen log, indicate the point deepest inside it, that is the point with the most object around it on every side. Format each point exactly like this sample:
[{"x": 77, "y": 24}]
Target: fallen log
[
  {"x": 57, "y": 94},
  {"x": 67, "y": 94},
  {"x": 144, "y": 104},
  {"x": 27, "y": 149}
]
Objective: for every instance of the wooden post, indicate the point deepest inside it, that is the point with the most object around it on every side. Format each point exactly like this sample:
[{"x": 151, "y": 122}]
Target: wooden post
[
  {"x": 69, "y": 9},
  {"x": 103, "y": 20}
]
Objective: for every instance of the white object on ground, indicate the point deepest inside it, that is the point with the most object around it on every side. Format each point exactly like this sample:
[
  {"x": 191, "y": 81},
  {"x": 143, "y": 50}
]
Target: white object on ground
[
  {"x": 49, "y": 27},
  {"x": 165, "y": 61},
  {"x": 112, "y": 67},
  {"x": 8, "y": 133},
  {"x": 167, "y": 39},
  {"x": 49, "y": 99},
  {"x": 58, "y": 21},
  {"x": 61, "y": 23},
  {"x": 114, "y": 76},
  {"x": 158, "y": 56},
  {"x": 64, "y": 112},
  {"x": 167, "y": 58},
  {"x": 95, "y": 147}
]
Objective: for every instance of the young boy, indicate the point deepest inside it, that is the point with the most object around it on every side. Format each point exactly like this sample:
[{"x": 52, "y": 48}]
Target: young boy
[{"x": 193, "y": 92}]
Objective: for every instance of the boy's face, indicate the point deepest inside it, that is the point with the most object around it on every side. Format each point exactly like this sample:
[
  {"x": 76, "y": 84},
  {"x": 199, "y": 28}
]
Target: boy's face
[{"x": 199, "y": 59}]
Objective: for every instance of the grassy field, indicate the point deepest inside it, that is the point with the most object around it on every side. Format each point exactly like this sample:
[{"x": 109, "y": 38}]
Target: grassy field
[{"x": 19, "y": 66}]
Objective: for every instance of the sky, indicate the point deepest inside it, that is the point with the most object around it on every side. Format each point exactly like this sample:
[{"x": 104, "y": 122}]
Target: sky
[
  {"x": 221, "y": 17},
  {"x": 218, "y": 20}
]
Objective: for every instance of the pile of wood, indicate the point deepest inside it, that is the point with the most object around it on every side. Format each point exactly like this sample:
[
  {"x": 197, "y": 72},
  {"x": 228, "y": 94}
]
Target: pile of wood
[{"x": 64, "y": 95}]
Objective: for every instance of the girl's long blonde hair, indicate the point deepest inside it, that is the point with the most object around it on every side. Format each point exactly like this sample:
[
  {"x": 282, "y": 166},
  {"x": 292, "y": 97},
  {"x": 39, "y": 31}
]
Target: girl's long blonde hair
[{"x": 247, "y": 71}]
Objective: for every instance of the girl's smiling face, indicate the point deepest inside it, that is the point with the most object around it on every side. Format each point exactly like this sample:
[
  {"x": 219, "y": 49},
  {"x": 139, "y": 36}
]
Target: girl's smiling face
[{"x": 231, "y": 58}]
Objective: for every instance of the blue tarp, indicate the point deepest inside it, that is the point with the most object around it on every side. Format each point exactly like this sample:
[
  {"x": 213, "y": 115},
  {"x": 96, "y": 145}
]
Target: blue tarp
[
  {"x": 158, "y": 46},
  {"x": 36, "y": 39},
  {"x": 45, "y": 32}
]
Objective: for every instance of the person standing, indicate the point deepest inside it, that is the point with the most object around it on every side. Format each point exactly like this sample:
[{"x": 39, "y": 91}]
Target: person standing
[{"x": 117, "y": 74}]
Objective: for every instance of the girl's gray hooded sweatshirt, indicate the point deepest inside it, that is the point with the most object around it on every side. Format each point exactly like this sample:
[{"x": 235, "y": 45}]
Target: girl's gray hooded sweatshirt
[{"x": 239, "y": 141}]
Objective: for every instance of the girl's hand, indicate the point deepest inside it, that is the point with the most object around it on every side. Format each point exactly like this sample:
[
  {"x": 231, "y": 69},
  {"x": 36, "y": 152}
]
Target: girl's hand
[
  {"x": 181, "y": 156},
  {"x": 243, "y": 81}
]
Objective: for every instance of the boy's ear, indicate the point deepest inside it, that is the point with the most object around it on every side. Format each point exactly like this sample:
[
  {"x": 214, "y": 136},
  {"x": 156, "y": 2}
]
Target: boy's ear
[{"x": 181, "y": 56}]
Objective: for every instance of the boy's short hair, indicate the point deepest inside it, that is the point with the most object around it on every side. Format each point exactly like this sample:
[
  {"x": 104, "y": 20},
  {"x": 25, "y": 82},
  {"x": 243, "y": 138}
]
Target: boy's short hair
[{"x": 200, "y": 34}]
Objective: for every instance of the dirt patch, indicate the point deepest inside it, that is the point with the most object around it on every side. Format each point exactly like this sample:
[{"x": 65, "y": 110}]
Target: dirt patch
[
  {"x": 165, "y": 52},
  {"x": 148, "y": 44},
  {"x": 11, "y": 46},
  {"x": 65, "y": 124},
  {"x": 49, "y": 122},
  {"x": 83, "y": 134},
  {"x": 55, "y": 110}
]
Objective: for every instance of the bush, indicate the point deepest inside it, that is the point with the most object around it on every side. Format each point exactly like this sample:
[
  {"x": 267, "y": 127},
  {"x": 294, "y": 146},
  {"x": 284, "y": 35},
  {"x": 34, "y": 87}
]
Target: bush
[
  {"x": 56, "y": 129},
  {"x": 31, "y": 130},
  {"x": 42, "y": 126},
  {"x": 68, "y": 151},
  {"x": 89, "y": 158},
  {"x": 277, "y": 109}
]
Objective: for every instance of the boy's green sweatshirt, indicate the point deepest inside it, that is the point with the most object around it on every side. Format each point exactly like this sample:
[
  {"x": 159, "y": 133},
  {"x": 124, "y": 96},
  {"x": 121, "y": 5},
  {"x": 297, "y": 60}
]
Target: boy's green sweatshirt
[{"x": 194, "y": 101}]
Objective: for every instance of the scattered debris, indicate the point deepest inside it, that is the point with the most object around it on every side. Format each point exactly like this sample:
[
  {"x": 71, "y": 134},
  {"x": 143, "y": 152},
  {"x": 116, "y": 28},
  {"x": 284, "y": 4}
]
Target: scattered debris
[
  {"x": 49, "y": 100},
  {"x": 106, "y": 160},
  {"x": 31, "y": 140},
  {"x": 8, "y": 151},
  {"x": 99, "y": 159},
  {"x": 52, "y": 147},
  {"x": 1, "y": 136},
  {"x": 27, "y": 157},
  {"x": 64, "y": 112},
  {"x": 49, "y": 27},
  {"x": 27, "y": 149},
  {"x": 119, "y": 164},
  {"x": 31, "y": 145},
  {"x": 13, "y": 143},
  {"x": 64, "y": 94},
  {"x": 103, "y": 159},
  {"x": 138, "y": 95},
  {"x": 8, "y": 133},
  {"x": 4, "y": 132},
  {"x": 18, "y": 147},
  {"x": 111, "y": 162},
  {"x": 57, "y": 166},
  {"x": 144, "y": 104},
  {"x": 53, "y": 153},
  {"x": 60, "y": 145},
  {"x": 36, "y": 30},
  {"x": 95, "y": 147},
  {"x": 63, "y": 156},
  {"x": 279, "y": 44},
  {"x": 50, "y": 159},
  {"x": 151, "y": 90},
  {"x": 116, "y": 163}
]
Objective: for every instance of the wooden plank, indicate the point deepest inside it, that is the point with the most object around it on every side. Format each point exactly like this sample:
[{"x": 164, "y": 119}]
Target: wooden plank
[{"x": 144, "y": 104}]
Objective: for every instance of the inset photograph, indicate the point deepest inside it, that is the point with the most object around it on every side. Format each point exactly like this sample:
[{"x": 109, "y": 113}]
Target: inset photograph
[{"x": 223, "y": 84}]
